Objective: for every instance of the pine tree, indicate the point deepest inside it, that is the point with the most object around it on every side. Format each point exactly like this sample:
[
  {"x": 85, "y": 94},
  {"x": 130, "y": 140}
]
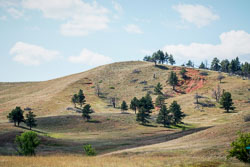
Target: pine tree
[
  {"x": 159, "y": 101},
  {"x": 149, "y": 103},
  {"x": 81, "y": 97},
  {"x": 161, "y": 56},
  {"x": 134, "y": 104},
  {"x": 178, "y": 115},
  {"x": 16, "y": 116},
  {"x": 86, "y": 111},
  {"x": 189, "y": 64},
  {"x": 30, "y": 120},
  {"x": 155, "y": 58},
  {"x": 171, "y": 59},
  {"x": 173, "y": 79},
  {"x": 74, "y": 99},
  {"x": 183, "y": 73},
  {"x": 215, "y": 65},
  {"x": 166, "y": 57},
  {"x": 226, "y": 101},
  {"x": 225, "y": 65},
  {"x": 143, "y": 115},
  {"x": 164, "y": 116},
  {"x": 202, "y": 66},
  {"x": 158, "y": 89},
  {"x": 124, "y": 106}
]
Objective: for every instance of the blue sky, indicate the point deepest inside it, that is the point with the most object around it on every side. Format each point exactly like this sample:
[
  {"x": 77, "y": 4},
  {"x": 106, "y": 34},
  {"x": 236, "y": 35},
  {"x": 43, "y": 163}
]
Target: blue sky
[{"x": 46, "y": 39}]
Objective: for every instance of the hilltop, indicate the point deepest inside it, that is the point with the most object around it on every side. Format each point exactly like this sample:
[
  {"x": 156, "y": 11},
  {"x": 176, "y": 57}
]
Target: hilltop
[{"x": 205, "y": 136}]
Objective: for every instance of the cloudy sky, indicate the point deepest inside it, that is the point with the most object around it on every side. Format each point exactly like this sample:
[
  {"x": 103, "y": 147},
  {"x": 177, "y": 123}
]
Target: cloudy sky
[{"x": 46, "y": 39}]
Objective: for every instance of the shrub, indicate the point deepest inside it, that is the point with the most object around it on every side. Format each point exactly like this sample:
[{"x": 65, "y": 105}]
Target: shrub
[
  {"x": 203, "y": 73},
  {"x": 27, "y": 142},
  {"x": 111, "y": 87},
  {"x": 89, "y": 150},
  {"x": 247, "y": 118},
  {"x": 239, "y": 150}
]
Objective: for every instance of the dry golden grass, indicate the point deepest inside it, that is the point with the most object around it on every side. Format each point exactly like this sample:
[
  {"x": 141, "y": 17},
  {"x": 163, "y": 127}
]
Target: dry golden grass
[{"x": 205, "y": 148}]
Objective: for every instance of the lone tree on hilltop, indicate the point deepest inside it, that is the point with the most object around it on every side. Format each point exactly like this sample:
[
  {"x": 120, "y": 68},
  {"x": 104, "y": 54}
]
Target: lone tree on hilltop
[
  {"x": 30, "y": 120},
  {"x": 134, "y": 104},
  {"x": 164, "y": 116},
  {"x": 161, "y": 56},
  {"x": 173, "y": 79},
  {"x": 81, "y": 97},
  {"x": 159, "y": 102},
  {"x": 226, "y": 101},
  {"x": 155, "y": 58},
  {"x": 16, "y": 116},
  {"x": 86, "y": 111},
  {"x": 158, "y": 89},
  {"x": 124, "y": 106},
  {"x": 178, "y": 115},
  {"x": 183, "y": 73},
  {"x": 74, "y": 99}
]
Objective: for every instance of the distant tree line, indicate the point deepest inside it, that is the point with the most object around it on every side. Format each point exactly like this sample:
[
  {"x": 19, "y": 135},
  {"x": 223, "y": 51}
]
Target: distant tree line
[{"x": 234, "y": 66}]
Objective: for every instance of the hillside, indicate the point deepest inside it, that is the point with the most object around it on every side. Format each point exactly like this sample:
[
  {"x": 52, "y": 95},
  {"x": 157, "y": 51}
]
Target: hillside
[{"x": 204, "y": 137}]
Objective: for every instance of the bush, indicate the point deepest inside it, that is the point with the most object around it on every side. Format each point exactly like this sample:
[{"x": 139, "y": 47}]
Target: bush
[
  {"x": 239, "y": 150},
  {"x": 247, "y": 118},
  {"x": 27, "y": 142},
  {"x": 111, "y": 87},
  {"x": 203, "y": 73},
  {"x": 89, "y": 150}
]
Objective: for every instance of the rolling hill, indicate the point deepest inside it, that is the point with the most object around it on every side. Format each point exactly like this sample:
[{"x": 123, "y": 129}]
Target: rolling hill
[{"x": 202, "y": 140}]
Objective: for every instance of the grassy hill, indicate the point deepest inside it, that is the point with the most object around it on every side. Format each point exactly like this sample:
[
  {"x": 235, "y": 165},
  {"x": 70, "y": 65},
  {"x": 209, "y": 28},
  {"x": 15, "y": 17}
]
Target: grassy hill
[{"x": 117, "y": 137}]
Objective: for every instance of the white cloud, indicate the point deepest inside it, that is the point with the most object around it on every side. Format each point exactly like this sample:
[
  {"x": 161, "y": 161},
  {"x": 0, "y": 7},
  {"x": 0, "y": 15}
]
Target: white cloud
[
  {"x": 15, "y": 12},
  {"x": 232, "y": 44},
  {"x": 132, "y": 28},
  {"x": 80, "y": 18},
  {"x": 29, "y": 54},
  {"x": 196, "y": 14},
  {"x": 90, "y": 58}
]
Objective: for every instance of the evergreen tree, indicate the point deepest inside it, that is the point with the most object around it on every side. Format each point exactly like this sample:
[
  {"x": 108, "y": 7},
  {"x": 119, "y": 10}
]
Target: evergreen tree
[
  {"x": 149, "y": 103},
  {"x": 246, "y": 69},
  {"x": 143, "y": 116},
  {"x": 189, "y": 64},
  {"x": 124, "y": 106},
  {"x": 161, "y": 56},
  {"x": 173, "y": 79},
  {"x": 134, "y": 104},
  {"x": 164, "y": 116},
  {"x": 166, "y": 57},
  {"x": 215, "y": 65},
  {"x": 155, "y": 58},
  {"x": 147, "y": 58},
  {"x": 30, "y": 120},
  {"x": 74, "y": 99},
  {"x": 16, "y": 116},
  {"x": 183, "y": 73},
  {"x": 202, "y": 66},
  {"x": 159, "y": 101},
  {"x": 225, "y": 65},
  {"x": 171, "y": 59},
  {"x": 178, "y": 115},
  {"x": 226, "y": 101},
  {"x": 158, "y": 89},
  {"x": 81, "y": 97},
  {"x": 86, "y": 111}
]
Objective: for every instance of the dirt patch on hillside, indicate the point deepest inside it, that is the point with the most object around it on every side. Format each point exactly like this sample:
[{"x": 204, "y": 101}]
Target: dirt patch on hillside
[{"x": 193, "y": 82}]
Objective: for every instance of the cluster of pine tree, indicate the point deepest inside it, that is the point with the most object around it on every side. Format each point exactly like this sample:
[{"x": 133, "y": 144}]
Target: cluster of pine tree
[
  {"x": 80, "y": 99},
  {"x": 16, "y": 116},
  {"x": 160, "y": 57}
]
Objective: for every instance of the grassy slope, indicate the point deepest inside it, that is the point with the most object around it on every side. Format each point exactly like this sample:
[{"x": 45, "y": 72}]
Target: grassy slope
[{"x": 52, "y": 97}]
